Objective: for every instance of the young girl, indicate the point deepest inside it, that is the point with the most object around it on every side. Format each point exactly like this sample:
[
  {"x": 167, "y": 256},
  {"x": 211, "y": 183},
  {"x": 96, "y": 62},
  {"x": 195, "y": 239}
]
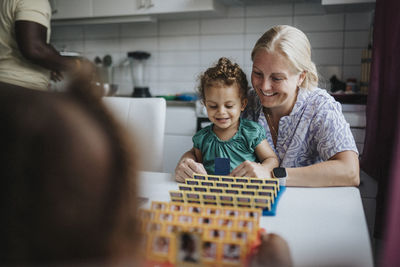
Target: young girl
[{"x": 223, "y": 90}]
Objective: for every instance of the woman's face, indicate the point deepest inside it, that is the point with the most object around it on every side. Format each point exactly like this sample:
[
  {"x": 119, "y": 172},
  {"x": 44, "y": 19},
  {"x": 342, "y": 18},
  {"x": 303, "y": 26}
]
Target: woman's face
[{"x": 275, "y": 83}]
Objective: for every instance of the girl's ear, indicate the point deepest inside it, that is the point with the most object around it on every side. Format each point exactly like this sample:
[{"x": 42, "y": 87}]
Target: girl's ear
[{"x": 244, "y": 104}]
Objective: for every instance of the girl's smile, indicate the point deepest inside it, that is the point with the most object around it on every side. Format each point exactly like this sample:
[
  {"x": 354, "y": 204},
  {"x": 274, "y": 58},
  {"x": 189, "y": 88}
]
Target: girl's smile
[{"x": 224, "y": 105}]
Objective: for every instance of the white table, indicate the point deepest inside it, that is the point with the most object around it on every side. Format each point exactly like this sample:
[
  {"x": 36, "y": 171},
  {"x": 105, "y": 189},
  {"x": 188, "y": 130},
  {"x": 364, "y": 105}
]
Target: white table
[{"x": 323, "y": 226}]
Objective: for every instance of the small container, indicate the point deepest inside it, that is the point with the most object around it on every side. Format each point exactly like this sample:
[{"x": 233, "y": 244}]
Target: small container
[{"x": 351, "y": 86}]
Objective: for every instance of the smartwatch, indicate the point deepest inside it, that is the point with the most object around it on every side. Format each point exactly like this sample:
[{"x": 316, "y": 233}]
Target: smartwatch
[{"x": 281, "y": 174}]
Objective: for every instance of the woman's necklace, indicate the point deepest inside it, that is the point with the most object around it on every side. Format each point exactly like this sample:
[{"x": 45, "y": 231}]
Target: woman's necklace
[{"x": 274, "y": 132}]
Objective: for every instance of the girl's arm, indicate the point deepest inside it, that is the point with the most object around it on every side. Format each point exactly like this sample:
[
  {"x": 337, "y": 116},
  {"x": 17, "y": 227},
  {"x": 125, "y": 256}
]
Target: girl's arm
[
  {"x": 268, "y": 160},
  {"x": 188, "y": 164},
  {"x": 340, "y": 170}
]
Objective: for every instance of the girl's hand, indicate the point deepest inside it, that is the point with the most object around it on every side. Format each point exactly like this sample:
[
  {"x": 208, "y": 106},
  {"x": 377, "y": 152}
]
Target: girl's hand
[
  {"x": 185, "y": 169},
  {"x": 251, "y": 169}
]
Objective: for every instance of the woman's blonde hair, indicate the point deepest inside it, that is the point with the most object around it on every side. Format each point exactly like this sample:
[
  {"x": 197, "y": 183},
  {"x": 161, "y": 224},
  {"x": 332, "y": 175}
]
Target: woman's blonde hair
[{"x": 293, "y": 44}]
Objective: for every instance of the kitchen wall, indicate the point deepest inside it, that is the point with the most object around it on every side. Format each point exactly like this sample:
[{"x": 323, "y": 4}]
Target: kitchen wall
[{"x": 182, "y": 48}]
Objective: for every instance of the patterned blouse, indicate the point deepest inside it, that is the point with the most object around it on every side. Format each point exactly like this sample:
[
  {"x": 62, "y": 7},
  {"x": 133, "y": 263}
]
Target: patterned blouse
[
  {"x": 239, "y": 148},
  {"x": 314, "y": 131}
]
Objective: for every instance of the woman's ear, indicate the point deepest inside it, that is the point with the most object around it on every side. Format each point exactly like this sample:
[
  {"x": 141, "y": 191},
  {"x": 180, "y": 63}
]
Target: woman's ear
[
  {"x": 302, "y": 76},
  {"x": 244, "y": 104}
]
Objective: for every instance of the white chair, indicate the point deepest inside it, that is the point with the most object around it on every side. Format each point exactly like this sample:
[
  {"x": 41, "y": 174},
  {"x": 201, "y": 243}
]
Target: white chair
[{"x": 145, "y": 118}]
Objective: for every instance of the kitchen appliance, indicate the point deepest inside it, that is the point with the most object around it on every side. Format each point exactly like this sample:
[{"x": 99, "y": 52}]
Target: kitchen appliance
[{"x": 137, "y": 63}]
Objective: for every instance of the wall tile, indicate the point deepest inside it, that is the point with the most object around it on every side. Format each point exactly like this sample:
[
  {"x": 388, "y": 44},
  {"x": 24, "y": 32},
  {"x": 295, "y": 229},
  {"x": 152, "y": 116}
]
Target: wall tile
[
  {"x": 208, "y": 58},
  {"x": 179, "y": 43},
  {"x": 352, "y": 72},
  {"x": 247, "y": 57},
  {"x": 326, "y": 72},
  {"x": 327, "y": 56},
  {"x": 179, "y": 58},
  {"x": 261, "y": 25},
  {"x": 70, "y": 45},
  {"x": 102, "y": 45},
  {"x": 235, "y": 11},
  {"x": 222, "y": 26},
  {"x": 358, "y": 21},
  {"x": 250, "y": 40},
  {"x": 307, "y": 8},
  {"x": 352, "y": 56},
  {"x": 223, "y": 42},
  {"x": 140, "y": 29},
  {"x": 101, "y": 31},
  {"x": 179, "y": 27},
  {"x": 66, "y": 32},
  {"x": 325, "y": 39},
  {"x": 269, "y": 10},
  {"x": 319, "y": 23},
  {"x": 178, "y": 73},
  {"x": 356, "y": 39},
  {"x": 132, "y": 44},
  {"x": 168, "y": 87}
]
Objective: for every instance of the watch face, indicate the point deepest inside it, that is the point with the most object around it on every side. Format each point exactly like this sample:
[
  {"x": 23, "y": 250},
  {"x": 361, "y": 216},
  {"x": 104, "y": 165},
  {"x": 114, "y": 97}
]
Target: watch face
[{"x": 279, "y": 172}]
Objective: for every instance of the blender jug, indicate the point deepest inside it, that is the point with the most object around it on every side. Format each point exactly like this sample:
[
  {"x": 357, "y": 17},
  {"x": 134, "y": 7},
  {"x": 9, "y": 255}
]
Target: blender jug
[{"x": 137, "y": 62}]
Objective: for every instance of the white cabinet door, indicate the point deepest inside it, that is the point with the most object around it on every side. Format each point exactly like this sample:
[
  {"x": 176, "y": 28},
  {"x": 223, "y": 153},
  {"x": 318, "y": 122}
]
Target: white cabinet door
[
  {"x": 174, "y": 147},
  {"x": 180, "y": 120},
  {"x": 180, "y": 126},
  {"x": 176, "y": 6},
  {"x": 105, "y": 8},
  {"x": 71, "y": 9}
]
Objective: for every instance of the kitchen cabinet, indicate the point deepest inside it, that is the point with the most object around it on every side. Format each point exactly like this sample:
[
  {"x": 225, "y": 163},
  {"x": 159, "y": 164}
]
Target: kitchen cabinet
[
  {"x": 103, "y": 11},
  {"x": 103, "y": 8},
  {"x": 71, "y": 9},
  {"x": 180, "y": 126},
  {"x": 355, "y": 116},
  {"x": 175, "y": 6},
  {"x": 332, "y": 6}
]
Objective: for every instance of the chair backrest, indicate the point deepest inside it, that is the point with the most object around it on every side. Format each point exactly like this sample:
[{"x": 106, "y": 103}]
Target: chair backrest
[{"x": 145, "y": 118}]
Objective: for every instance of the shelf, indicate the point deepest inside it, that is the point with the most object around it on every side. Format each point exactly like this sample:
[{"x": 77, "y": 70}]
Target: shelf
[{"x": 360, "y": 99}]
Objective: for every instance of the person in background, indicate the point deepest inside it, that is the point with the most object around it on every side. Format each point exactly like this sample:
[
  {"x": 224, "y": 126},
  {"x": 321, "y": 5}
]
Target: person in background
[
  {"x": 26, "y": 57},
  {"x": 303, "y": 124},
  {"x": 223, "y": 89}
]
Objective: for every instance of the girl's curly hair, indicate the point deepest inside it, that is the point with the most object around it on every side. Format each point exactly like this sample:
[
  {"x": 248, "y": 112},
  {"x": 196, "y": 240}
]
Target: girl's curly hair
[{"x": 225, "y": 73}]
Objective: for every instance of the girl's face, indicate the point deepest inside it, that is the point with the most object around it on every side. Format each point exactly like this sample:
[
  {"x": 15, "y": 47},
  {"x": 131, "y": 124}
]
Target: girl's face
[
  {"x": 275, "y": 83},
  {"x": 224, "y": 105}
]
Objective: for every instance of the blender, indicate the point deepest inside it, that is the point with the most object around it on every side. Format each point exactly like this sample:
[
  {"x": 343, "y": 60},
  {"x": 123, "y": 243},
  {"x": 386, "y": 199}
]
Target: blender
[{"x": 137, "y": 62}]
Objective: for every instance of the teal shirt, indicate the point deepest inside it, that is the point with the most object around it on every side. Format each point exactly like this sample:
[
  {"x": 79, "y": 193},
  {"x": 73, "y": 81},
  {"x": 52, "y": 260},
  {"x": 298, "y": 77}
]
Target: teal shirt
[{"x": 238, "y": 149}]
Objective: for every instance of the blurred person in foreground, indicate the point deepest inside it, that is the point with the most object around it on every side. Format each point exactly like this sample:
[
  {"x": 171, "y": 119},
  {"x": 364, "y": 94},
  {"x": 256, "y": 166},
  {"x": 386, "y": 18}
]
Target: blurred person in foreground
[{"x": 68, "y": 192}]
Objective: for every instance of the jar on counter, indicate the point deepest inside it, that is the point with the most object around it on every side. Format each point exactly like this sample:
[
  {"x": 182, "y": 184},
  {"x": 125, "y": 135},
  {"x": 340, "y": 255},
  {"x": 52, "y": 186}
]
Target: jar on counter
[{"x": 351, "y": 86}]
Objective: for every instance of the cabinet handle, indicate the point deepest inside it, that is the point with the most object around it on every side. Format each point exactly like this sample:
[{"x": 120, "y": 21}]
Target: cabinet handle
[
  {"x": 150, "y": 3},
  {"x": 141, "y": 4}
]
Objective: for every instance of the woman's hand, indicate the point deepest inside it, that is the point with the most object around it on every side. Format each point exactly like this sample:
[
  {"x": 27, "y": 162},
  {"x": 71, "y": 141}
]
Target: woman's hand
[
  {"x": 273, "y": 251},
  {"x": 251, "y": 169},
  {"x": 186, "y": 167}
]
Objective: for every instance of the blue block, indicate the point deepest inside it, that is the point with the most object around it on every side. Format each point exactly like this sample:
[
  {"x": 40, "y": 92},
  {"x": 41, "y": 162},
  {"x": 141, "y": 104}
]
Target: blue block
[{"x": 222, "y": 166}]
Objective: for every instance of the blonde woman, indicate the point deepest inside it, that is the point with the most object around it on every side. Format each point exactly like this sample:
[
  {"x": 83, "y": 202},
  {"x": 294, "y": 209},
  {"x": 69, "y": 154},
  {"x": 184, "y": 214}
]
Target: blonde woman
[{"x": 304, "y": 124}]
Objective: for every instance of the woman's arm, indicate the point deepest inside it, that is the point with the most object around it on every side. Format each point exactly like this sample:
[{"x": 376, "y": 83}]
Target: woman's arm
[
  {"x": 268, "y": 160},
  {"x": 187, "y": 165},
  {"x": 340, "y": 170}
]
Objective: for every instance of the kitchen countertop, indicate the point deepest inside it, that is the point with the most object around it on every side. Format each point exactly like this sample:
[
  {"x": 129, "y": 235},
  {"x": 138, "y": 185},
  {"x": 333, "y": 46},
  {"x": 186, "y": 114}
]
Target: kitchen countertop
[{"x": 181, "y": 103}]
